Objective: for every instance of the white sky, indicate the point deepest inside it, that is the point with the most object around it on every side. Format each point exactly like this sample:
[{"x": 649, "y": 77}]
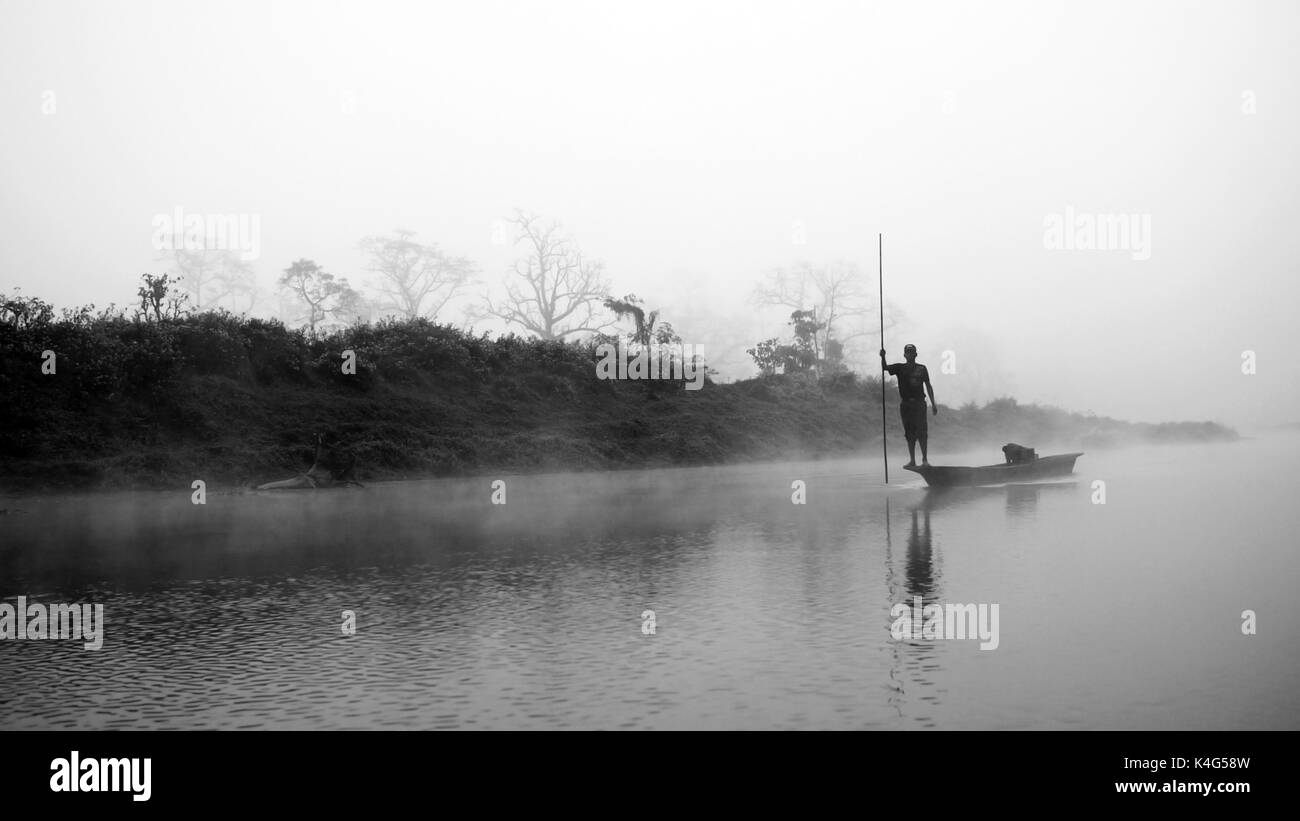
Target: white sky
[{"x": 680, "y": 141}]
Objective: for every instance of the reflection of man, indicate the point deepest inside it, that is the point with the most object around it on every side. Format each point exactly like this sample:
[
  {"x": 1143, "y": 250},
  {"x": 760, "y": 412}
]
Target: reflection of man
[
  {"x": 913, "y": 383},
  {"x": 920, "y": 567}
]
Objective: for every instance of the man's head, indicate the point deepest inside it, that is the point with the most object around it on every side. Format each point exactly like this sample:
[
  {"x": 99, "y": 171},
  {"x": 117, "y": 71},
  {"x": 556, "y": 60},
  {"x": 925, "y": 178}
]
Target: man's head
[{"x": 909, "y": 353}]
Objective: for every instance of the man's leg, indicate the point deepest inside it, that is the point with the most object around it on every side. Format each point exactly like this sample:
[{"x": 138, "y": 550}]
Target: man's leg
[
  {"x": 909, "y": 430},
  {"x": 923, "y": 433}
]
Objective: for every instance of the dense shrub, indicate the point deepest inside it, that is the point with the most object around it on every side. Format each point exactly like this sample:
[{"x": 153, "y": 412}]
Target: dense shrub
[{"x": 143, "y": 401}]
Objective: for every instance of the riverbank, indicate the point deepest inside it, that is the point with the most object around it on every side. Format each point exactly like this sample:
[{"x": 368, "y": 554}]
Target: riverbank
[{"x": 237, "y": 402}]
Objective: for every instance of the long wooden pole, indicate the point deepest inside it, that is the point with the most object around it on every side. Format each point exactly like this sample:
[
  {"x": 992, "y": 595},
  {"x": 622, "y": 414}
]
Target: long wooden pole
[{"x": 884, "y": 447}]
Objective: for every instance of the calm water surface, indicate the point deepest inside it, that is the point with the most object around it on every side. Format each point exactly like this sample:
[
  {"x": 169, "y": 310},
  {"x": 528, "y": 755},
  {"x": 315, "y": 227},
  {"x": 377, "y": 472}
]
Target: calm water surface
[{"x": 768, "y": 614}]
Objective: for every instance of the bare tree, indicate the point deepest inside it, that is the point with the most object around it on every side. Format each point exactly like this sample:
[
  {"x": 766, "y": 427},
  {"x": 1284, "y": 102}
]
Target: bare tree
[
  {"x": 210, "y": 275},
  {"x": 237, "y": 285},
  {"x": 970, "y": 364},
  {"x": 555, "y": 291},
  {"x": 838, "y": 295},
  {"x": 415, "y": 279},
  {"x": 319, "y": 294}
]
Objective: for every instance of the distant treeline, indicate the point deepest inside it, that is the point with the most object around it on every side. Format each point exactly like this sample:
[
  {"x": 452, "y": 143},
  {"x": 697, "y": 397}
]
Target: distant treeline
[{"x": 99, "y": 399}]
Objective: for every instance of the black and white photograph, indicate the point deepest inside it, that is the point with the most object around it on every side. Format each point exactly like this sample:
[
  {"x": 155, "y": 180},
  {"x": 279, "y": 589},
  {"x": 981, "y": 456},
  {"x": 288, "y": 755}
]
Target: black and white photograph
[{"x": 681, "y": 366}]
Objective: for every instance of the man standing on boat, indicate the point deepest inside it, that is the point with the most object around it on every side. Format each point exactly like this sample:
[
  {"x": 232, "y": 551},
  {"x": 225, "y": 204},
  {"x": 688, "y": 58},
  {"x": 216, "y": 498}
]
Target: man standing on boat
[{"x": 913, "y": 383}]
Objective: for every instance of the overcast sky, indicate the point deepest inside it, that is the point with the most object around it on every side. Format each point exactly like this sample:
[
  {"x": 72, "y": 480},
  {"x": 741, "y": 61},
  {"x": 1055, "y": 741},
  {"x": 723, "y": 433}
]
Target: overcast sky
[{"x": 683, "y": 142}]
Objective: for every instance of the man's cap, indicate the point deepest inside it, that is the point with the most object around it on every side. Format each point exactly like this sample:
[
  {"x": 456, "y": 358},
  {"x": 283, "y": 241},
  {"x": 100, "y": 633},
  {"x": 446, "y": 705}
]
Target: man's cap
[{"x": 907, "y": 348}]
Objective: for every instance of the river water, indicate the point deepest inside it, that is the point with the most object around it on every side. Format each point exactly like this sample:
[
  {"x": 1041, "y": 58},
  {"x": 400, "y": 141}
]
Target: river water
[{"x": 767, "y": 614}]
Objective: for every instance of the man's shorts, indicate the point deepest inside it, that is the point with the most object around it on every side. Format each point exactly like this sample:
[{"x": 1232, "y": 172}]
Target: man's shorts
[{"x": 913, "y": 413}]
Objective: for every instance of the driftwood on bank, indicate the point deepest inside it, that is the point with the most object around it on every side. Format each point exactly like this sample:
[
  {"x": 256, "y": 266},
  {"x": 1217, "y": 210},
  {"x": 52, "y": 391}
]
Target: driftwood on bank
[{"x": 332, "y": 466}]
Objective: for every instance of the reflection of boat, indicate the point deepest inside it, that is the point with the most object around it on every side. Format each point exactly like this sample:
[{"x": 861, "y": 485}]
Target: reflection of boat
[
  {"x": 1042, "y": 468},
  {"x": 1019, "y": 497}
]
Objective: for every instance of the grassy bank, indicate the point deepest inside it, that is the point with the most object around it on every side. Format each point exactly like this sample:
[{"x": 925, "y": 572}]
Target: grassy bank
[{"x": 233, "y": 401}]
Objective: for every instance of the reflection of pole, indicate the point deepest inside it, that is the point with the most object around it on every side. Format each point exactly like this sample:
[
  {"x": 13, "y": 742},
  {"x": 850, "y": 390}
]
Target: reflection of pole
[
  {"x": 888, "y": 541},
  {"x": 889, "y": 559},
  {"x": 895, "y": 662},
  {"x": 884, "y": 448}
]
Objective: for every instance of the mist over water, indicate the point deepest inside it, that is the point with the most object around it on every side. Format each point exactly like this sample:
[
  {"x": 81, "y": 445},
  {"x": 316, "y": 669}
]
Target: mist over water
[{"x": 768, "y": 614}]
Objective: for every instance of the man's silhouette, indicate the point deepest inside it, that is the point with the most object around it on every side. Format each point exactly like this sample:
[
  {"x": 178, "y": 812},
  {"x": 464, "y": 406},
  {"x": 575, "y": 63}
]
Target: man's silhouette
[{"x": 913, "y": 383}]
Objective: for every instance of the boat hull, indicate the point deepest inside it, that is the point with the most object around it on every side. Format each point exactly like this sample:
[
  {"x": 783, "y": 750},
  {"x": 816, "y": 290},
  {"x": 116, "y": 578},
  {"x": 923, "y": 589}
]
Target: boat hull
[{"x": 1045, "y": 467}]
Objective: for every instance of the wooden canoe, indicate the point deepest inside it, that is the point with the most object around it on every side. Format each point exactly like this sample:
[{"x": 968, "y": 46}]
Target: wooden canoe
[{"x": 1044, "y": 467}]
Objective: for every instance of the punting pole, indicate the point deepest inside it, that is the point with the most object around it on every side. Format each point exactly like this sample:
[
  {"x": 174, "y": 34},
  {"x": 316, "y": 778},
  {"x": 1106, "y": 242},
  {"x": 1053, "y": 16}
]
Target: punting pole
[{"x": 884, "y": 448}]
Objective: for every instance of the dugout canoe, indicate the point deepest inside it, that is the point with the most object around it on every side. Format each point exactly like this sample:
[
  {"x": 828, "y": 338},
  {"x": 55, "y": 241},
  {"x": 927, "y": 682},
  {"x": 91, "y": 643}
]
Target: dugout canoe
[{"x": 1045, "y": 467}]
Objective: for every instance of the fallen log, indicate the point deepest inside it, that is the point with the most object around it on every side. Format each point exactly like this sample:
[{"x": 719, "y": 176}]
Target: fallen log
[{"x": 332, "y": 466}]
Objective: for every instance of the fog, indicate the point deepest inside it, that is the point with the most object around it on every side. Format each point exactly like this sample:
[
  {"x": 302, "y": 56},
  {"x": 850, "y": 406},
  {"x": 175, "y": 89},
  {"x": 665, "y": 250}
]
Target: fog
[
  {"x": 532, "y": 614},
  {"x": 695, "y": 147}
]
